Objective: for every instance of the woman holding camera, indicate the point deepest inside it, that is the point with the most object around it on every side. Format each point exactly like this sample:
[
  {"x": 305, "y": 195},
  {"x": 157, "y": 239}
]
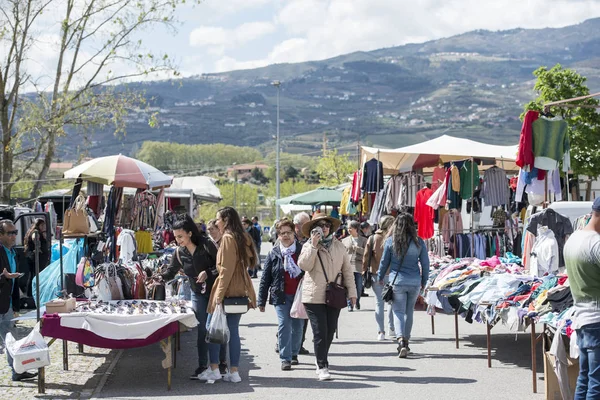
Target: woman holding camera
[
  {"x": 324, "y": 259},
  {"x": 406, "y": 255}
]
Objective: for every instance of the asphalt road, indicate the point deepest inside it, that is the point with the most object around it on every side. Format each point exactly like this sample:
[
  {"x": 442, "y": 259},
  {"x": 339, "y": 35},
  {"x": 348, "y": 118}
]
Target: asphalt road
[{"x": 362, "y": 367}]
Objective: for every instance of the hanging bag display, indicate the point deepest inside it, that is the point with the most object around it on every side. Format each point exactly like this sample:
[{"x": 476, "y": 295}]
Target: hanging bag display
[
  {"x": 335, "y": 294},
  {"x": 76, "y": 219}
]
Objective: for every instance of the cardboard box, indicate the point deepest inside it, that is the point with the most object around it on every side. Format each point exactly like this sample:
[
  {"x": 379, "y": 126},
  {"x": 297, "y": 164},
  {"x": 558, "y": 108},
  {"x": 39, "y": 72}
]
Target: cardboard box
[
  {"x": 551, "y": 381},
  {"x": 60, "y": 306}
]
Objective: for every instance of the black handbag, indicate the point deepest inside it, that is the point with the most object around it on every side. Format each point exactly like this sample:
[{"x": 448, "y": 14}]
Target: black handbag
[
  {"x": 387, "y": 295},
  {"x": 335, "y": 294},
  {"x": 236, "y": 305},
  {"x": 367, "y": 276}
]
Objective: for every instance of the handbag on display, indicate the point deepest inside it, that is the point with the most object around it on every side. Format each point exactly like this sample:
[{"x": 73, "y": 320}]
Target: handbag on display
[
  {"x": 335, "y": 294},
  {"x": 387, "y": 294},
  {"x": 76, "y": 219}
]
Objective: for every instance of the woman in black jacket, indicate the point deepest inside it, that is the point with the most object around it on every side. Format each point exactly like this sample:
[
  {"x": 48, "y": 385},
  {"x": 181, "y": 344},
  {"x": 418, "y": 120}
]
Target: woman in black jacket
[
  {"x": 280, "y": 279},
  {"x": 197, "y": 256}
]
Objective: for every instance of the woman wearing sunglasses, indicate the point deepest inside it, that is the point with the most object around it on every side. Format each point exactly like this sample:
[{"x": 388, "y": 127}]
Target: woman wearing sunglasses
[{"x": 323, "y": 258}]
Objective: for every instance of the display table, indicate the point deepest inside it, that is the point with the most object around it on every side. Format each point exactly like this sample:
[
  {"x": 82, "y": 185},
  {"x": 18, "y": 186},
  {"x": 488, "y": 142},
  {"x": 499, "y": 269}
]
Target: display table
[{"x": 110, "y": 332}]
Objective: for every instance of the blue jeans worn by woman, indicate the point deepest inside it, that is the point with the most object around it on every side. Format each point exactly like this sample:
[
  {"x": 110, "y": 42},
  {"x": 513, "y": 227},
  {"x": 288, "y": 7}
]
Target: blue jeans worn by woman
[
  {"x": 359, "y": 287},
  {"x": 289, "y": 333},
  {"x": 199, "y": 305},
  {"x": 235, "y": 345},
  {"x": 588, "y": 382},
  {"x": 380, "y": 304},
  {"x": 405, "y": 298}
]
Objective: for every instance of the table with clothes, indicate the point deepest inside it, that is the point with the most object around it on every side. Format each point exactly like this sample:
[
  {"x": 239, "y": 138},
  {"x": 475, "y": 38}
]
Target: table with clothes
[{"x": 495, "y": 290}]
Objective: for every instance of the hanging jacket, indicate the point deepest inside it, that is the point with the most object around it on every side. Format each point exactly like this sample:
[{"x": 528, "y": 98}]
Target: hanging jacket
[{"x": 272, "y": 282}]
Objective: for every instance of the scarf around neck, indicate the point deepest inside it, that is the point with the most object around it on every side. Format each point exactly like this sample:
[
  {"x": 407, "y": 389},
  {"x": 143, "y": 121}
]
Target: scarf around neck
[
  {"x": 289, "y": 264},
  {"x": 326, "y": 242}
]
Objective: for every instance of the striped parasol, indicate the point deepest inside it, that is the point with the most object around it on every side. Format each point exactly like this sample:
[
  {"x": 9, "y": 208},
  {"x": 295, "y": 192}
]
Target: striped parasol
[{"x": 120, "y": 171}]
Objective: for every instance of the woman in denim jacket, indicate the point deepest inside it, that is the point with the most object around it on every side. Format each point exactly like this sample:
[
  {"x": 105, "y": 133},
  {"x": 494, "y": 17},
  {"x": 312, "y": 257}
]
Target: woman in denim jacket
[{"x": 403, "y": 252}]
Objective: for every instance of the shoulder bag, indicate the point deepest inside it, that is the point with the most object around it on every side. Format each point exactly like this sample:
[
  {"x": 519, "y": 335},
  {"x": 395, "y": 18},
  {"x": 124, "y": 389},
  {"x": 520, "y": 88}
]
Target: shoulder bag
[
  {"x": 387, "y": 294},
  {"x": 335, "y": 294},
  {"x": 368, "y": 275}
]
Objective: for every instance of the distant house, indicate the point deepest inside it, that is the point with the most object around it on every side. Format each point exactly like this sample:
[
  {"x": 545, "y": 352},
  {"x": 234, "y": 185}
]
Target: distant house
[
  {"x": 245, "y": 170},
  {"x": 60, "y": 166}
]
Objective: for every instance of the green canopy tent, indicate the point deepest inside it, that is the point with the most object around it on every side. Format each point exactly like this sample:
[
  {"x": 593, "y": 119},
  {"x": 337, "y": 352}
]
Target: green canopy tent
[{"x": 318, "y": 197}]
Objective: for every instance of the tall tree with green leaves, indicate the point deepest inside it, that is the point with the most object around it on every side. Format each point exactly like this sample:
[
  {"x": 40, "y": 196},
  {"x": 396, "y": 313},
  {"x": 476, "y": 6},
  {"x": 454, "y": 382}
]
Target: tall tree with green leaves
[
  {"x": 96, "y": 45},
  {"x": 558, "y": 83},
  {"x": 333, "y": 168}
]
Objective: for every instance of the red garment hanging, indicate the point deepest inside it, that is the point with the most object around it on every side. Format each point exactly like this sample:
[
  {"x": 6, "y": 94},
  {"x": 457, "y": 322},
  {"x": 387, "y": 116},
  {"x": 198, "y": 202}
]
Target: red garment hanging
[
  {"x": 525, "y": 155},
  {"x": 439, "y": 173},
  {"x": 424, "y": 215},
  {"x": 355, "y": 195}
]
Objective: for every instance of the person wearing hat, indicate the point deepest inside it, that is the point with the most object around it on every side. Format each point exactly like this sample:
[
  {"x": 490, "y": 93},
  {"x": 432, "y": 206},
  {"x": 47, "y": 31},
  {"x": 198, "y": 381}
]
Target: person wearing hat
[
  {"x": 322, "y": 253},
  {"x": 582, "y": 258}
]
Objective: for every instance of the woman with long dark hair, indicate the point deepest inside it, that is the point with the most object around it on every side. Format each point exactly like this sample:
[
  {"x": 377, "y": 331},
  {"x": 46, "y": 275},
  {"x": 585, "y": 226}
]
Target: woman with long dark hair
[
  {"x": 38, "y": 227},
  {"x": 196, "y": 256},
  {"x": 236, "y": 254},
  {"x": 406, "y": 255}
]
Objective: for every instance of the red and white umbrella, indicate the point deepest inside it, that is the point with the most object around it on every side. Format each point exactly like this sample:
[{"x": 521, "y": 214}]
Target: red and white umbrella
[{"x": 120, "y": 171}]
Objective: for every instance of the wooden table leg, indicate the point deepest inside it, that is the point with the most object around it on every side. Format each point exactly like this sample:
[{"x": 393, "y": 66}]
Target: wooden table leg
[
  {"x": 42, "y": 380},
  {"x": 80, "y": 348},
  {"x": 456, "y": 328},
  {"x": 174, "y": 352},
  {"x": 178, "y": 338},
  {"x": 433, "y": 325},
  {"x": 533, "y": 357},
  {"x": 65, "y": 355},
  {"x": 489, "y": 344}
]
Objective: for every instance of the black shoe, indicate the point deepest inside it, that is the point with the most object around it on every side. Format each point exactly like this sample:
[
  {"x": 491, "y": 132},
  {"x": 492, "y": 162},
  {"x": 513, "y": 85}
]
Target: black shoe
[
  {"x": 303, "y": 351},
  {"x": 358, "y": 306},
  {"x": 196, "y": 374},
  {"x": 295, "y": 360},
  {"x": 24, "y": 376},
  {"x": 277, "y": 348},
  {"x": 286, "y": 366},
  {"x": 363, "y": 294},
  {"x": 402, "y": 348},
  {"x": 223, "y": 369}
]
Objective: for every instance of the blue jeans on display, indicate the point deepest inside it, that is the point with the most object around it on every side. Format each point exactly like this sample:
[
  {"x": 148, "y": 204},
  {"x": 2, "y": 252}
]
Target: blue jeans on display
[
  {"x": 289, "y": 333},
  {"x": 588, "y": 382},
  {"x": 379, "y": 305},
  {"x": 235, "y": 345},
  {"x": 359, "y": 287},
  {"x": 6, "y": 326},
  {"x": 405, "y": 298}
]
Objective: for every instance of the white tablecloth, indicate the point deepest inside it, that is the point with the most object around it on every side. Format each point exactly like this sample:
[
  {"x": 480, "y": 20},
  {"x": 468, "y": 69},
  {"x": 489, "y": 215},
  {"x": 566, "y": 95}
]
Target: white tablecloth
[{"x": 125, "y": 326}]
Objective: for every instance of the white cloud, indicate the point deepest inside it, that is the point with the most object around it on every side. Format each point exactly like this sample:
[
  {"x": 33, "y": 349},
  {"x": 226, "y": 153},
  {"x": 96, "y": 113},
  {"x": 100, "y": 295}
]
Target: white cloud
[
  {"x": 318, "y": 29},
  {"x": 211, "y": 36}
]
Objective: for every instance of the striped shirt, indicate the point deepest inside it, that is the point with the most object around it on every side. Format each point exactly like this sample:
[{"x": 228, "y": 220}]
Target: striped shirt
[{"x": 495, "y": 187}]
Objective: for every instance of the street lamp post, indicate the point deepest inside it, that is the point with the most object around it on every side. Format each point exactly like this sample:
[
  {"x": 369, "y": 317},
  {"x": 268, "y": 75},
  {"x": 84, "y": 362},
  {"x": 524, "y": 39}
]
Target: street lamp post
[{"x": 277, "y": 84}]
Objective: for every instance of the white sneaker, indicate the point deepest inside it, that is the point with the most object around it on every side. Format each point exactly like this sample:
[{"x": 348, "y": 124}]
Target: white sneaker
[
  {"x": 380, "y": 337},
  {"x": 210, "y": 375},
  {"x": 324, "y": 374},
  {"x": 233, "y": 377}
]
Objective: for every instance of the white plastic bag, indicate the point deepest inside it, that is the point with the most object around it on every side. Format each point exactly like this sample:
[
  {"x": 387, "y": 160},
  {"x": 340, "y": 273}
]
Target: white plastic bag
[
  {"x": 218, "y": 331},
  {"x": 31, "y": 352},
  {"x": 298, "y": 310}
]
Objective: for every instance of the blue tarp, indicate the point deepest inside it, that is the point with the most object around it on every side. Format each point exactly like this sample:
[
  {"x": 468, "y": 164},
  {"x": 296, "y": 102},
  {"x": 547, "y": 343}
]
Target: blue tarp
[{"x": 50, "y": 279}]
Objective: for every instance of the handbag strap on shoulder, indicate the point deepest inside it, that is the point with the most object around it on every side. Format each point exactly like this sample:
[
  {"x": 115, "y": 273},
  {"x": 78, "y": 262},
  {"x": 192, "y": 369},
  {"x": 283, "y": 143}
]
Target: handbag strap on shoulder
[{"x": 322, "y": 266}]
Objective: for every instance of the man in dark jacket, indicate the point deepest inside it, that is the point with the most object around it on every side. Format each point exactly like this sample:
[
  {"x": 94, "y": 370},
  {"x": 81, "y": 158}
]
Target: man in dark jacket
[
  {"x": 255, "y": 234},
  {"x": 9, "y": 290}
]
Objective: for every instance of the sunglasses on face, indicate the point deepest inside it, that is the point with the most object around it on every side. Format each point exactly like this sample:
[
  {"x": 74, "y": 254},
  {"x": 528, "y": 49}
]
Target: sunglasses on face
[{"x": 324, "y": 225}]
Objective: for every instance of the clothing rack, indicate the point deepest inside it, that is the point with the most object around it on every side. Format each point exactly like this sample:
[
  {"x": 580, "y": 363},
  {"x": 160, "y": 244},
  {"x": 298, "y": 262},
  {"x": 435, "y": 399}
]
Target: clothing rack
[{"x": 564, "y": 103}]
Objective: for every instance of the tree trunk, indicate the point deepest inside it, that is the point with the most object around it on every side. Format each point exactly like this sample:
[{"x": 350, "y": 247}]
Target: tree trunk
[
  {"x": 7, "y": 155},
  {"x": 588, "y": 189},
  {"x": 37, "y": 186}
]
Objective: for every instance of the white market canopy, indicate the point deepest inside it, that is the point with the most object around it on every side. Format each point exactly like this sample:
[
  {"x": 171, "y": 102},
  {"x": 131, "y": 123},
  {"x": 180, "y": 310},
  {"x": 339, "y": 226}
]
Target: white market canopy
[
  {"x": 203, "y": 187},
  {"x": 428, "y": 154}
]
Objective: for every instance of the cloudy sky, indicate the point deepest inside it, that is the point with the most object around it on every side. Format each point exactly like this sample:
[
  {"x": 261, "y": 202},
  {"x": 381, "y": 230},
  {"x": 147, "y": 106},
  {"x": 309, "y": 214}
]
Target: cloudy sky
[{"x": 222, "y": 35}]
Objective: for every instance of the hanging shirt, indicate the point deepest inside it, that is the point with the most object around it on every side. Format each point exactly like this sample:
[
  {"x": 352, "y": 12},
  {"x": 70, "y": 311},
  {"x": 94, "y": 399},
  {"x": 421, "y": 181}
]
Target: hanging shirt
[
  {"x": 551, "y": 143},
  {"x": 559, "y": 224},
  {"x": 525, "y": 156},
  {"x": 455, "y": 178},
  {"x": 345, "y": 200},
  {"x": 392, "y": 190},
  {"x": 495, "y": 187},
  {"x": 372, "y": 180},
  {"x": 355, "y": 191},
  {"x": 453, "y": 192},
  {"x": 469, "y": 179},
  {"x": 544, "y": 254},
  {"x": 439, "y": 173},
  {"x": 424, "y": 214}
]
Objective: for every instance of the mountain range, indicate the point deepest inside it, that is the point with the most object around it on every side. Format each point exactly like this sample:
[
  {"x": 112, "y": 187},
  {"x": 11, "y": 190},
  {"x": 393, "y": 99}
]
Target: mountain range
[{"x": 472, "y": 85}]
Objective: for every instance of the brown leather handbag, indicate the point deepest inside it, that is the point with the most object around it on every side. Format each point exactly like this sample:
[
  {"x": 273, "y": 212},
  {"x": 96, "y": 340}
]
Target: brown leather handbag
[{"x": 335, "y": 294}]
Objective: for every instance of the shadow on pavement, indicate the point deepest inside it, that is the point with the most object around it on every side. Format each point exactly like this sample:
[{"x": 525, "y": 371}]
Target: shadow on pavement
[{"x": 507, "y": 350}]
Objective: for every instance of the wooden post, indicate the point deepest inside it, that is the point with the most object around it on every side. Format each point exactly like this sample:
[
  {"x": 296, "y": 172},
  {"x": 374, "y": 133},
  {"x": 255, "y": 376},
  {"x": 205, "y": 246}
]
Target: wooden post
[
  {"x": 534, "y": 356},
  {"x": 489, "y": 344},
  {"x": 170, "y": 369},
  {"x": 433, "y": 325},
  {"x": 65, "y": 355},
  {"x": 456, "y": 328},
  {"x": 472, "y": 210}
]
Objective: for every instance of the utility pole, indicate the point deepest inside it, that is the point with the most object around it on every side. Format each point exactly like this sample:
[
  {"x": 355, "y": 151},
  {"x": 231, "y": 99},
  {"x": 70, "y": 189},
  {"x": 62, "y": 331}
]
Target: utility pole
[
  {"x": 277, "y": 84},
  {"x": 324, "y": 143},
  {"x": 234, "y": 186}
]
